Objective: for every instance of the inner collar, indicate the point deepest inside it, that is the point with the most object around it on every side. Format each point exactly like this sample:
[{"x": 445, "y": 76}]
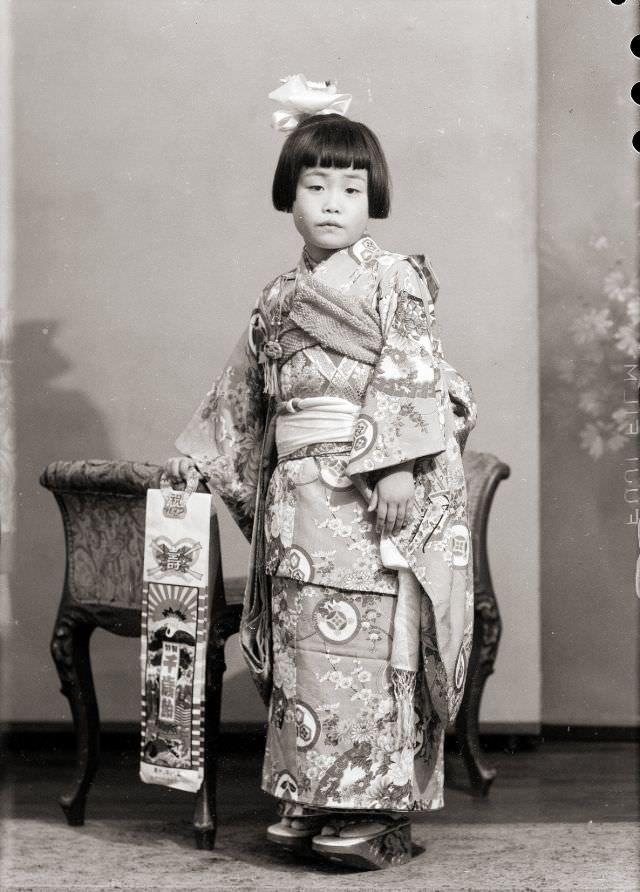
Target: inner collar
[{"x": 360, "y": 251}]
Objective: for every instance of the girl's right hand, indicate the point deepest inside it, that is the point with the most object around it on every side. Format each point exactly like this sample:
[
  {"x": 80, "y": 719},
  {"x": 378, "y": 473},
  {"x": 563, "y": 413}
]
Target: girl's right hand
[
  {"x": 393, "y": 498},
  {"x": 177, "y": 468}
]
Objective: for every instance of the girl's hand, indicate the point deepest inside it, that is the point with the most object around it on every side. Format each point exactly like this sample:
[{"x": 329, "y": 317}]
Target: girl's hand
[
  {"x": 177, "y": 469},
  {"x": 393, "y": 497}
]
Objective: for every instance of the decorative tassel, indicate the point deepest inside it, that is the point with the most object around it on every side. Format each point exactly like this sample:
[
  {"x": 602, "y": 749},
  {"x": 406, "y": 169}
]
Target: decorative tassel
[
  {"x": 404, "y": 688},
  {"x": 271, "y": 378},
  {"x": 272, "y": 352}
]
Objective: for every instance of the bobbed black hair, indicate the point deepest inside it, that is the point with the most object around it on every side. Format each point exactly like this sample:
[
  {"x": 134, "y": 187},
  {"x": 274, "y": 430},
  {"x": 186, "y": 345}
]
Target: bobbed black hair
[{"x": 332, "y": 141}]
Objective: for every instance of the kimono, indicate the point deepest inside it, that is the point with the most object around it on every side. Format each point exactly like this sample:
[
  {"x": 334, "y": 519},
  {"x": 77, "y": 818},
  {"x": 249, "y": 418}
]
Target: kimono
[{"x": 357, "y": 331}]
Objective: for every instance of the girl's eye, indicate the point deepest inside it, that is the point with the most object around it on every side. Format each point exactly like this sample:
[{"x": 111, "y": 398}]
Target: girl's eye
[
  {"x": 315, "y": 186},
  {"x": 353, "y": 191}
]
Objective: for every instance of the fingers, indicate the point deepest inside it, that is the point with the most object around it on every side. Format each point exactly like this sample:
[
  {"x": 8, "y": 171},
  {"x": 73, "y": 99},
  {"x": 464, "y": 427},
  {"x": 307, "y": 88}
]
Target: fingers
[
  {"x": 184, "y": 468},
  {"x": 393, "y": 517},
  {"x": 400, "y": 518},
  {"x": 386, "y": 519},
  {"x": 171, "y": 468},
  {"x": 390, "y": 519},
  {"x": 177, "y": 468},
  {"x": 408, "y": 512}
]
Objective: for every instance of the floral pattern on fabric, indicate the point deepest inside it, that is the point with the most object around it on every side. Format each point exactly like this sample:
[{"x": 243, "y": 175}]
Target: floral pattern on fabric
[
  {"x": 320, "y": 547},
  {"x": 318, "y": 528},
  {"x": 332, "y": 737},
  {"x": 400, "y": 417},
  {"x": 224, "y": 436}
]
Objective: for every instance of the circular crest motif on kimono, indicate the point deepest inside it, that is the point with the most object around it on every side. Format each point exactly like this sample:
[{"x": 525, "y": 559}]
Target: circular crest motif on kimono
[
  {"x": 332, "y": 474},
  {"x": 286, "y": 786},
  {"x": 336, "y": 620},
  {"x": 460, "y": 671},
  {"x": 364, "y": 436},
  {"x": 307, "y": 726},
  {"x": 460, "y": 545},
  {"x": 297, "y": 564},
  {"x": 258, "y": 332},
  {"x": 365, "y": 250}
]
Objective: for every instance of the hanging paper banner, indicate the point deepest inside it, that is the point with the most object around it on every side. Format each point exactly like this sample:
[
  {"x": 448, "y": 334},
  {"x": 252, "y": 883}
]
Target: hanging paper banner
[{"x": 175, "y": 616}]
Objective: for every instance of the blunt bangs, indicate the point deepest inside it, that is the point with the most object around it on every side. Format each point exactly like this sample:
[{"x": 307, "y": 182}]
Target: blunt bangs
[{"x": 332, "y": 141}]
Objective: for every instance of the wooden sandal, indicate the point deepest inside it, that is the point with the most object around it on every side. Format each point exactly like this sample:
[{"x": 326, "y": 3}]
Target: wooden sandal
[
  {"x": 297, "y": 827},
  {"x": 373, "y": 844}
]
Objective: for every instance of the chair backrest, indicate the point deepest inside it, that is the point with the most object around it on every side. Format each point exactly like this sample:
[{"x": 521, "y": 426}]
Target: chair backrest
[
  {"x": 103, "y": 511},
  {"x": 483, "y": 473}
]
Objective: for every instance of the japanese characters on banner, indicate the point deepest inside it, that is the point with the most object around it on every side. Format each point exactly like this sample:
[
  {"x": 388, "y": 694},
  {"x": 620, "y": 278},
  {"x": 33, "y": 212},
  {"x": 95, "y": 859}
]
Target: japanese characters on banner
[{"x": 174, "y": 638}]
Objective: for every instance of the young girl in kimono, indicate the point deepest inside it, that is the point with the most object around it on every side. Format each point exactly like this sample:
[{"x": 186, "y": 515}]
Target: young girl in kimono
[{"x": 334, "y": 436}]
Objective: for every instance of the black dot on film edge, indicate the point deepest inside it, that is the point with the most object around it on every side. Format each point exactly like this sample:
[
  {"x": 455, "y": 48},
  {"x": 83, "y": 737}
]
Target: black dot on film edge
[
  {"x": 618, "y": 2},
  {"x": 635, "y": 93},
  {"x": 636, "y": 141},
  {"x": 635, "y": 45}
]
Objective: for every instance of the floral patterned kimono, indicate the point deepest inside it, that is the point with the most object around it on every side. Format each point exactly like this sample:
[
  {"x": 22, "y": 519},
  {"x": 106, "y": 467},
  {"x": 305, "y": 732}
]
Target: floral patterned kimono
[{"x": 318, "y": 624}]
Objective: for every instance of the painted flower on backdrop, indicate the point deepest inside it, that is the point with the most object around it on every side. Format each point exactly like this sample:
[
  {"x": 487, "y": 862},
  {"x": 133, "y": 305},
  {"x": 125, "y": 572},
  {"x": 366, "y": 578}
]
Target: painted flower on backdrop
[{"x": 607, "y": 337}]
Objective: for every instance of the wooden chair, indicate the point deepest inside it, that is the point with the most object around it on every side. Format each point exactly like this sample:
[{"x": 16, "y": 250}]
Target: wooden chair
[
  {"x": 103, "y": 511},
  {"x": 483, "y": 473}
]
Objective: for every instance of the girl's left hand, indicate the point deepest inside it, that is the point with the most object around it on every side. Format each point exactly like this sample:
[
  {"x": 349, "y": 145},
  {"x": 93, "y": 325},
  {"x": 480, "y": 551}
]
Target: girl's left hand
[
  {"x": 393, "y": 497},
  {"x": 178, "y": 468}
]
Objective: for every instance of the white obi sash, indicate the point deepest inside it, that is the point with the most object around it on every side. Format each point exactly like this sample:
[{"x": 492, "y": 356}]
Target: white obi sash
[{"x": 314, "y": 419}]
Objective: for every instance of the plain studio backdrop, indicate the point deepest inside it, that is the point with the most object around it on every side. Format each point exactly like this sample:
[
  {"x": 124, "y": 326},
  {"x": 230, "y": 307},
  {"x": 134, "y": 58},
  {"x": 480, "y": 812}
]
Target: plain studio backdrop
[{"x": 143, "y": 232}]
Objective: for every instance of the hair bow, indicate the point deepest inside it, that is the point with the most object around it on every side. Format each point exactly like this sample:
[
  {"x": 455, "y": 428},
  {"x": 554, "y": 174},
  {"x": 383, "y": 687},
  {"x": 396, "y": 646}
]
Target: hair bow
[{"x": 301, "y": 98}]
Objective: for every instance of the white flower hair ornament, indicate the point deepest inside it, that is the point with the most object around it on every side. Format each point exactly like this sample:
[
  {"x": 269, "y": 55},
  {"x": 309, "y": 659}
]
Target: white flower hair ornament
[{"x": 300, "y": 98}]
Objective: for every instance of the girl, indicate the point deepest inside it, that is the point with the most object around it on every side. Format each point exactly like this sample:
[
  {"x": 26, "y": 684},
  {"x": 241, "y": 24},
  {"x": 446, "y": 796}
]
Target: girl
[{"x": 334, "y": 435}]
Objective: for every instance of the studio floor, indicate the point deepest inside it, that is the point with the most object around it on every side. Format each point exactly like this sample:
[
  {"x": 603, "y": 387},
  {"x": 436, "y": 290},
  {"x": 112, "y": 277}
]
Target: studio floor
[{"x": 561, "y": 816}]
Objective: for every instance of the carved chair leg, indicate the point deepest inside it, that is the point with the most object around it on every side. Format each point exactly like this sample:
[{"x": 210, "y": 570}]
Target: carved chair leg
[
  {"x": 483, "y": 655},
  {"x": 205, "y": 818},
  {"x": 70, "y": 652}
]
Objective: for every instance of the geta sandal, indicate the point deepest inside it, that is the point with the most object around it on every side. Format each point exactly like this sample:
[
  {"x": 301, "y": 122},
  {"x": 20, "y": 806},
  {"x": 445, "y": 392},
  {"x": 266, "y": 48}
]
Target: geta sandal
[
  {"x": 370, "y": 844},
  {"x": 297, "y": 827}
]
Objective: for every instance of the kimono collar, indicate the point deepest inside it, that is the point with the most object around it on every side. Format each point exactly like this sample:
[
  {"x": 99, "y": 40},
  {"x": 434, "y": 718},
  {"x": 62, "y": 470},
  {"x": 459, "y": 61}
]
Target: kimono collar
[
  {"x": 365, "y": 256},
  {"x": 362, "y": 252}
]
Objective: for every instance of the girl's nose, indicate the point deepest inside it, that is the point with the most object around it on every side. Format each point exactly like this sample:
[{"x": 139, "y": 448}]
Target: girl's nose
[{"x": 331, "y": 203}]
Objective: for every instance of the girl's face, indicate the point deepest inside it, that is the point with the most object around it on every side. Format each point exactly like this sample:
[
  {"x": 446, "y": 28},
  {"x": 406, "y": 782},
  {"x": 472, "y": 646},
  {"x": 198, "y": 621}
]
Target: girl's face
[{"x": 331, "y": 210}]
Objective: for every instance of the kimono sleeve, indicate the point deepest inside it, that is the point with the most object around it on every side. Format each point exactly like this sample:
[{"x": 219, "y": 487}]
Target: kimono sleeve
[
  {"x": 465, "y": 412},
  {"x": 225, "y": 435},
  {"x": 402, "y": 417}
]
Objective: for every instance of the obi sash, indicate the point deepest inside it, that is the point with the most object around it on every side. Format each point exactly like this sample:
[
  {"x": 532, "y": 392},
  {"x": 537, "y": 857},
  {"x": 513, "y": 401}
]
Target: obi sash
[{"x": 308, "y": 420}]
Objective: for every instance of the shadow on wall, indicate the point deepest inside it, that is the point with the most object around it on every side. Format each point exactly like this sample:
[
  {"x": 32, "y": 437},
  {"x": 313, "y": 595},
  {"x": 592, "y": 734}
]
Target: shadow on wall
[{"x": 52, "y": 421}]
